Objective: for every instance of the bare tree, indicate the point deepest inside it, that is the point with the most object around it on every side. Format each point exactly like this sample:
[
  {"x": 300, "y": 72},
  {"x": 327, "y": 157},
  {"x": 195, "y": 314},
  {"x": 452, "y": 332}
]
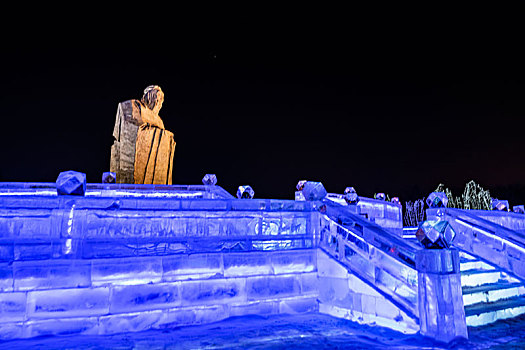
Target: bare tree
[
  {"x": 414, "y": 212},
  {"x": 473, "y": 197}
]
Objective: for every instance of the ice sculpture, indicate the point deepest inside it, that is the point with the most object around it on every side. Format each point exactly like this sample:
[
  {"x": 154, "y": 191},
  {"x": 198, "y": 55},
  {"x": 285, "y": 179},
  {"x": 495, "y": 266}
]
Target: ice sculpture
[
  {"x": 435, "y": 234},
  {"x": 109, "y": 178},
  {"x": 209, "y": 180},
  {"x": 314, "y": 191},
  {"x": 299, "y": 193},
  {"x": 300, "y": 185},
  {"x": 143, "y": 149},
  {"x": 350, "y": 196},
  {"x": 380, "y": 196},
  {"x": 501, "y": 205},
  {"x": 437, "y": 200},
  {"x": 520, "y": 209},
  {"x": 71, "y": 183},
  {"x": 245, "y": 192}
]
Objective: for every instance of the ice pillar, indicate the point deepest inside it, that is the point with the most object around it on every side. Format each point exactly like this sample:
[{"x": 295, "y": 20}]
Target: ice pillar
[{"x": 441, "y": 310}]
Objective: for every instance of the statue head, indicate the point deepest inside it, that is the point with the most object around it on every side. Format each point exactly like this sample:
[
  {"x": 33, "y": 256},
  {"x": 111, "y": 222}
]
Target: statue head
[{"x": 153, "y": 98}]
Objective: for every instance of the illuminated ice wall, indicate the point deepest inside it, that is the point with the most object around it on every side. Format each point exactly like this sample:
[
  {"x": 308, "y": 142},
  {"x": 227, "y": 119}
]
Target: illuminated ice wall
[
  {"x": 129, "y": 258},
  {"x": 126, "y": 258}
]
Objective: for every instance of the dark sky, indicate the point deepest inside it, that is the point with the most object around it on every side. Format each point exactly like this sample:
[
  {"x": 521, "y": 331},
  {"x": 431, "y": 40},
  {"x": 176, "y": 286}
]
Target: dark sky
[{"x": 391, "y": 115}]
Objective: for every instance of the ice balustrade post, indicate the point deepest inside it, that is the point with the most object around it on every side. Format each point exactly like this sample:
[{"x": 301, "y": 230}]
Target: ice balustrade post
[{"x": 441, "y": 310}]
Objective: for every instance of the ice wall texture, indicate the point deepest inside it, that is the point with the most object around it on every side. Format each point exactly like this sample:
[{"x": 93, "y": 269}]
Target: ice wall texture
[{"x": 105, "y": 296}]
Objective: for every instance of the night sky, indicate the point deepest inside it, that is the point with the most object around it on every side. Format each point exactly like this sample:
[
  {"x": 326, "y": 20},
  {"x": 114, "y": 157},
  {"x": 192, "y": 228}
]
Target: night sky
[{"x": 389, "y": 115}]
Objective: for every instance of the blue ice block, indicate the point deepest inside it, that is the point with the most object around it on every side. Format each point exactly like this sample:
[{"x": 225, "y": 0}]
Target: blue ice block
[
  {"x": 272, "y": 286},
  {"x": 265, "y": 307},
  {"x": 309, "y": 284},
  {"x": 245, "y": 192},
  {"x": 51, "y": 274},
  {"x": 246, "y": 264},
  {"x": 314, "y": 191},
  {"x": 213, "y": 291},
  {"x": 498, "y": 204},
  {"x": 6, "y": 277},
  {"x": 144, "y": 297},
  {"x": 437, "y": 200},
  {"x": 211, "y": 314},
  {"x": 293, "y": 261},
  {"x": 71, "y": 183},
  {"x": 68, "y": 302},
  {"x": 298, "y": 305},
  {"x": 109, "y": 177},
  {"x": 191, "y": 266},
  {"x": 12, "y": 307},
  {"x": 209, "y": 180},
  {"x": 138, "y": 270},
  {"x": 177, "y": 317},
  {"x": 130, "y": 322},
  {"x": 62, "y": 326}
]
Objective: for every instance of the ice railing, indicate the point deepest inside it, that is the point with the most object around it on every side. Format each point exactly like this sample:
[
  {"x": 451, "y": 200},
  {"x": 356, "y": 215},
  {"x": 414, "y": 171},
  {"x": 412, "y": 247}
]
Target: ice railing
[
  {"x": 117, "y": 190},
  {"x": 44, "y": 227},
  {"x": 510, "y": 220},
  {"x": 384, "y": 261},
  {"x": 386, "y": 214},
  {"x": 484, "y": 239}
]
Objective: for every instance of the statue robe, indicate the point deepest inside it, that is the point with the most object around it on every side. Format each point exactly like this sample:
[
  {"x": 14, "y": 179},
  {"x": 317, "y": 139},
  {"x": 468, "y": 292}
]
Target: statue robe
[{"x": 143, "y": 150}]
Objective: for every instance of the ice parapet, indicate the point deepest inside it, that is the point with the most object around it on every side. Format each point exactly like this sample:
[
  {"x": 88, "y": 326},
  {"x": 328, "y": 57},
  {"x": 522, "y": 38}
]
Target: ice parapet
[
  {"x": 245, "y": 192},
  {"x": 314, "y": 191},
  {"x": 71, "y": 183},
  {"x": 209, "y": 179},
  {"x": 437, "y": 200},
  {"x": 435, "y": 234}
]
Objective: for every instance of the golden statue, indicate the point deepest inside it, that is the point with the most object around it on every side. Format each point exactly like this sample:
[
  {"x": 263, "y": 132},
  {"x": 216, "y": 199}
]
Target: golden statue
[{"x": 143, "y": 150}]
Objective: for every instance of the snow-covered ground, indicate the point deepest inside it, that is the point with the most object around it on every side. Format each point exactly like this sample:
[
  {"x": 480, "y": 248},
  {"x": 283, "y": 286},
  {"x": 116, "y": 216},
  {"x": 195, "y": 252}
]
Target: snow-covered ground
[{"x": 304, "y": 331}]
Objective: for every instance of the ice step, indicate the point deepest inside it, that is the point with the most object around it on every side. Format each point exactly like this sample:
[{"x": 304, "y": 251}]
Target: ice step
[
  {"x": 484, "y": 313},
  {"x": 476, "y": 277},
  {"x": 466, "y": 256},
  {"x": 466, "y": 265},
  {"x": 489, "y": 293}
]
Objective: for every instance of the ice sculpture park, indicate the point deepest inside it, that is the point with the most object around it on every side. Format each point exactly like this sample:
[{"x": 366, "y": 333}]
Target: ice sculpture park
[{"x": 112, "y": 257}]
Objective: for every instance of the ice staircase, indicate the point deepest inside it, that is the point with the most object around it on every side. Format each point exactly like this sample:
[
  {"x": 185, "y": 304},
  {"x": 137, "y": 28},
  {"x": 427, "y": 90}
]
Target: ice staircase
[
  {"x": 367, "y": 273},
  {"x": 489, "y": 292}
]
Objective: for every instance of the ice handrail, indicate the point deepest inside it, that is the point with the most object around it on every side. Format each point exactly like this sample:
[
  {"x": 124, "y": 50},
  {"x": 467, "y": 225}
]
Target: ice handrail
[
  {"x": 512, "y": 236},
  {"x": 380, "y": 238},
  {"x": 363, "y": 248}
]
